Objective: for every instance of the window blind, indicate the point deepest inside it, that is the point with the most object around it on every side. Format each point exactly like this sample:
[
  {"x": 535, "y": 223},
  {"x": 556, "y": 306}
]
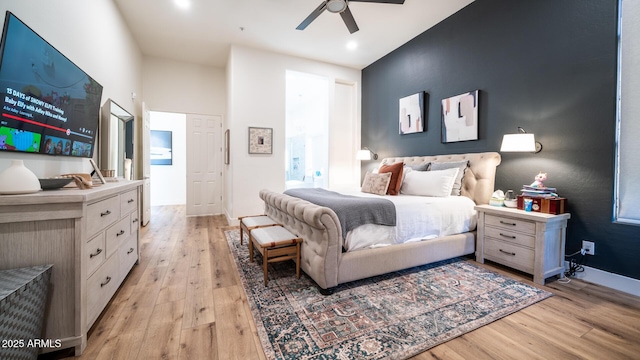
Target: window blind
[{"x": 627, "y": 192}]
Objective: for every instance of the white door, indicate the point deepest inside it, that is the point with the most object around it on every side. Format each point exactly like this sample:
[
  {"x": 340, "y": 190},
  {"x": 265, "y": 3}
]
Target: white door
[
  {"x": 204, "y": 165},
  {"x": 146, "y": 165}
]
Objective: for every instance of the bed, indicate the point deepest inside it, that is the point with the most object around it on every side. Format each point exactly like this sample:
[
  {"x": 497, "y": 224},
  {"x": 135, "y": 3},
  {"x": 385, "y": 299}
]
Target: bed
[{"x": 324, "y": 257}]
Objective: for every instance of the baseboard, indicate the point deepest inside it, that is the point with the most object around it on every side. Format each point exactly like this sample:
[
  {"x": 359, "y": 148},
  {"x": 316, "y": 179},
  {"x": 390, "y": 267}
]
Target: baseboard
[
  {"x": 610, "y": 280},
  {"x": 231, "y": 220}
]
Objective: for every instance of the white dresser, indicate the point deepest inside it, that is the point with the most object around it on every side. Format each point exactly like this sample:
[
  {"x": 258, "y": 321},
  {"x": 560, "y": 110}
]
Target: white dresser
[{"x": 92, "y": 239}]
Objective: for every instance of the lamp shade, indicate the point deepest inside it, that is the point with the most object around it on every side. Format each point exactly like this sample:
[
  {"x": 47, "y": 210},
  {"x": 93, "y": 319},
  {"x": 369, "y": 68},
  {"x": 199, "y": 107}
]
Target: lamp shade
[
  {"x": 518, "y": 143},
  {"x": 363, "y": 155}
]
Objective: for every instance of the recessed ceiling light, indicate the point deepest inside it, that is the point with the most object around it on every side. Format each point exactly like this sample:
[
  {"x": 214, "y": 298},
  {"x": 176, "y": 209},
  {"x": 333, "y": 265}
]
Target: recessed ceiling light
[
  {"x": 352, "y": 45},
  {"x": 183, "y": 4}
]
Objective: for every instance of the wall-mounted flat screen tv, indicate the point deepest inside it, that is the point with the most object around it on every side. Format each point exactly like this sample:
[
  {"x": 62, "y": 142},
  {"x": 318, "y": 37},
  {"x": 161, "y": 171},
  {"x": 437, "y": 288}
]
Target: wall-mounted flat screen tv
[{"x": 49, "y": 105}]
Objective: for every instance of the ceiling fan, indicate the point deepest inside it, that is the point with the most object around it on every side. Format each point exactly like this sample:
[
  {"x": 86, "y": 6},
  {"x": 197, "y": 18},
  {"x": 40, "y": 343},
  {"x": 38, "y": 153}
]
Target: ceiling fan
[{"x": 341, "y": 7}]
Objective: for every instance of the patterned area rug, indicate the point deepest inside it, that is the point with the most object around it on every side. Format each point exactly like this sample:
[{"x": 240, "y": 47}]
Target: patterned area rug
[{"x": 392, "y": 316}]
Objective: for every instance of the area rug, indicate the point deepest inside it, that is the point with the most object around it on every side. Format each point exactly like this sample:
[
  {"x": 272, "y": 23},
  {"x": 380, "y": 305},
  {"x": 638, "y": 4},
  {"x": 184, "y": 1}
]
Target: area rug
[{"x": 392, "y": 316}]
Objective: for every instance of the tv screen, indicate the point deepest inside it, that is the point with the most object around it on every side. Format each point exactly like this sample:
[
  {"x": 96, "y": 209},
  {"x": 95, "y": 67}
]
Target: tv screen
[{"x": 49, "y": 105}]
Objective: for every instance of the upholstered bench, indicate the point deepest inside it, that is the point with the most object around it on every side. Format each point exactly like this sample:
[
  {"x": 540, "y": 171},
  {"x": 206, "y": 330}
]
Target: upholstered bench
[
  {"x": 248, "y": 223},
  {"x": 275, "y": 243}
]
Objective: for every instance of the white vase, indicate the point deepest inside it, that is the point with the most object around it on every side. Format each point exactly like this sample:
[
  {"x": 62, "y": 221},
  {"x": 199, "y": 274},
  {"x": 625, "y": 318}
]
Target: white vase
[{"x": 17, "y": 179}]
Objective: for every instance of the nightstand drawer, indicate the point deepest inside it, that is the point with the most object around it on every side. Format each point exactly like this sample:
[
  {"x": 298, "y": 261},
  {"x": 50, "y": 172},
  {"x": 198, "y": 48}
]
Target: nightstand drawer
[
  {"x": 510, "y": 236},
  {"x": 523, "y": 226},
  {"x": 514, "y": 256}
]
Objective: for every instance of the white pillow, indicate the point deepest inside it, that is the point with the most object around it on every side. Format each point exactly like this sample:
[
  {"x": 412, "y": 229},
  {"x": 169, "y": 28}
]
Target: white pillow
[{"x": 429, "y": 183}]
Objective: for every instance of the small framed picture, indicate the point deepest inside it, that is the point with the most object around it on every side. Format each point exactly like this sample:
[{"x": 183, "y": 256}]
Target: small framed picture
[{"x": 260, "y": 140}]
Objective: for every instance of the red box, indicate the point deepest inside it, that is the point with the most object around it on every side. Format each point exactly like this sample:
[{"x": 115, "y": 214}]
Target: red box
[{"x": 554, "y": 205}]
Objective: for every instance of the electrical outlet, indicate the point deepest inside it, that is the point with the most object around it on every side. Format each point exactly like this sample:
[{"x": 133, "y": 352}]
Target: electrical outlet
[{"x": 589, "y": 247}]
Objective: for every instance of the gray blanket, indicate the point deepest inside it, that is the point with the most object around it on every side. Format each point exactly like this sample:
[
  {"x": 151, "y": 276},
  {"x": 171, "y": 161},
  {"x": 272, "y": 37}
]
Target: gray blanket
[{"x": 352, "y": 211}]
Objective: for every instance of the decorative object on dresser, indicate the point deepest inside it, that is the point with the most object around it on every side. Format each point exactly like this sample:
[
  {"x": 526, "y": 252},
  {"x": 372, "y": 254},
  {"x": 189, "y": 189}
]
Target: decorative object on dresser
[
  {"x": 460, "y": 117},
  {"x": 391, "y": 316},
  {"x": 527, "y": 241},
  {"x": 18, "y": 179},
  {"x": 92, "y": 239},
  {"x": 412, "y": 113}
]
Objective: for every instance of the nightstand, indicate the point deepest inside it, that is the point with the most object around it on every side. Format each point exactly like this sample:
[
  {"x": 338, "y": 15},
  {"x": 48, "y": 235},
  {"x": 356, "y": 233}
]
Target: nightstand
[{"x": 531, "y": 242}]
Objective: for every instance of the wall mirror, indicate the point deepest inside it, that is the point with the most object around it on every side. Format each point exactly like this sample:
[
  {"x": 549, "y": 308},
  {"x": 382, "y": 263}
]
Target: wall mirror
[{"x": 116, "y": 140}]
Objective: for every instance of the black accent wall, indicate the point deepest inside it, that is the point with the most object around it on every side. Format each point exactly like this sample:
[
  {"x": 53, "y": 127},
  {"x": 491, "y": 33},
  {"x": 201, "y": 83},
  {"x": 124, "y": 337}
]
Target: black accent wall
[{"x": 548, "y": 66}]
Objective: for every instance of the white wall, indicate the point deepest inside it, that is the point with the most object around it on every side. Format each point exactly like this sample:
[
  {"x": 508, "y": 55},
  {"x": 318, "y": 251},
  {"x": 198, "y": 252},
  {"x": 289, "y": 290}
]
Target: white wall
[
  {"x": 181, "y": 87},
  {"x": 94, "y": 36},
  {"x": 169, "y": 182},
  {"x": 256, "y": 97}
]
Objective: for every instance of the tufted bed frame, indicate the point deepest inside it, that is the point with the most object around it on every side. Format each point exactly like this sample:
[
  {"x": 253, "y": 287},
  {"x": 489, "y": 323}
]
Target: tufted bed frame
[{"x": 322, "y": 257}]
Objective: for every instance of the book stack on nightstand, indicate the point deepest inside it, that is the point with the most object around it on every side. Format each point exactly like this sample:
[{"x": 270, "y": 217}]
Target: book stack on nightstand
[{"x": 532, "y": 242}]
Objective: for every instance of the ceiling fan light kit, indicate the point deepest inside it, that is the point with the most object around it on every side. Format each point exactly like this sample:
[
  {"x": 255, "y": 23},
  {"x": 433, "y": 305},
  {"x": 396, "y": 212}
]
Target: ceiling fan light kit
[
  {"x": 341, "y": 7},
  {"x": 336, "y": 6}
]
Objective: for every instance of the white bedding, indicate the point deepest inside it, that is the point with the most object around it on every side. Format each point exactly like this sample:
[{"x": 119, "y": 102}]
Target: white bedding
[{"x": 417, "y": 218}]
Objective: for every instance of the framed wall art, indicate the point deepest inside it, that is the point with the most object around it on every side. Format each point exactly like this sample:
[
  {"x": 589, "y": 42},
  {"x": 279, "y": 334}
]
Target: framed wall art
[
  {"x": 460, "y": 117},
  {"x": 260, "y": 140},
  {"x": 411, "y": 114},
  {"x": 161, "y": 147}
]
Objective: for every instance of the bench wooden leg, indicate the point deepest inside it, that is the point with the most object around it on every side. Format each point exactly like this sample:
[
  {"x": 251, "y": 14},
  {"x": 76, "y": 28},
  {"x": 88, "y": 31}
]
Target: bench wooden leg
[
  {"x": 250, "y": 249},
  {"x": 298, "y": 260},
  {"x": 265, "y": 264}
]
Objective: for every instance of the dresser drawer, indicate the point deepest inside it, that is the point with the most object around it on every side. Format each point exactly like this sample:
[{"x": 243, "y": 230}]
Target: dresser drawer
[
  {"x": 135, "y": 221},
  {"x": 514, "y": 256},
  {"x": 102, "y": 214},
  {"x": 116, "y": 234},
  {"x": 523, "y": 226},
  {"x": 128, "y": 255},
  {"x": 100, "y": 287},
  {"x": 129, "y": 201},
  {"x": 510, "y": 236},
  {"x": 95, "y": 253}
]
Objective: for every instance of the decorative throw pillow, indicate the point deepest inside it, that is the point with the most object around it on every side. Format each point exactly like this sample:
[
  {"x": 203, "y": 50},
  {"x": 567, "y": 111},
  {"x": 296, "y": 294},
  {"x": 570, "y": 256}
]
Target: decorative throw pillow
[
  {"x": 376, "y": 183},
  {"x": 461, "y": 165},
  {"x": 429, "y": 183},
  {"x": 396, "y": 177}
]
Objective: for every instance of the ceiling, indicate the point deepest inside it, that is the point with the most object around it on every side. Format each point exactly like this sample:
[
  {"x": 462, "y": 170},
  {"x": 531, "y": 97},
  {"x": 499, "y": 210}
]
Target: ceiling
[{"x": 204, "y": 33}]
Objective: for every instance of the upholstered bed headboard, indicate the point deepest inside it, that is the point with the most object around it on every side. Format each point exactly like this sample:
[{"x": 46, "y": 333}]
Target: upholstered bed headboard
[{"x": 479, "y": 179}]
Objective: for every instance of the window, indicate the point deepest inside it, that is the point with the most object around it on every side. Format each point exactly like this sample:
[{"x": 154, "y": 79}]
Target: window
[
  {"x": 627, "y": 176},
  {"x": 307, "y": 130}
]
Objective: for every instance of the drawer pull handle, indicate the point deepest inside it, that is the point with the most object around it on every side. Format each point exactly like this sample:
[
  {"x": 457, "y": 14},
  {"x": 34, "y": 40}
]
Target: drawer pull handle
[
  {"x": 130, "y": 201},
  {"x": 130, "y": 251},
  {"x": 120, "y": 233},
  {"x": 508, "y": 253},
  {"x": 106, "y": 282},
  {"x": 108, "y": 212},
  {"x": 507, "y": 223},
  {"x": 507, "y": 236},
  {"x": 135, "y": 220},
  {"x": 98, "y": 252}
]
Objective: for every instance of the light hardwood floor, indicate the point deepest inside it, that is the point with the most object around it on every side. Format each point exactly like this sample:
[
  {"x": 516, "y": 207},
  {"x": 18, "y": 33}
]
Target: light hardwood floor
[{"x": 184, "y": 301}]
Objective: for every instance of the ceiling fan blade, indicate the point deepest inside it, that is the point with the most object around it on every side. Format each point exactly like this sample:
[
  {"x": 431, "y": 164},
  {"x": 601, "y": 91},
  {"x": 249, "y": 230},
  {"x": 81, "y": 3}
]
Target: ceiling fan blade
[
  {"x": 348, "y": 19},
  {"x": 399, "y": 2},
  {"x": 319, "y": 10}
]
